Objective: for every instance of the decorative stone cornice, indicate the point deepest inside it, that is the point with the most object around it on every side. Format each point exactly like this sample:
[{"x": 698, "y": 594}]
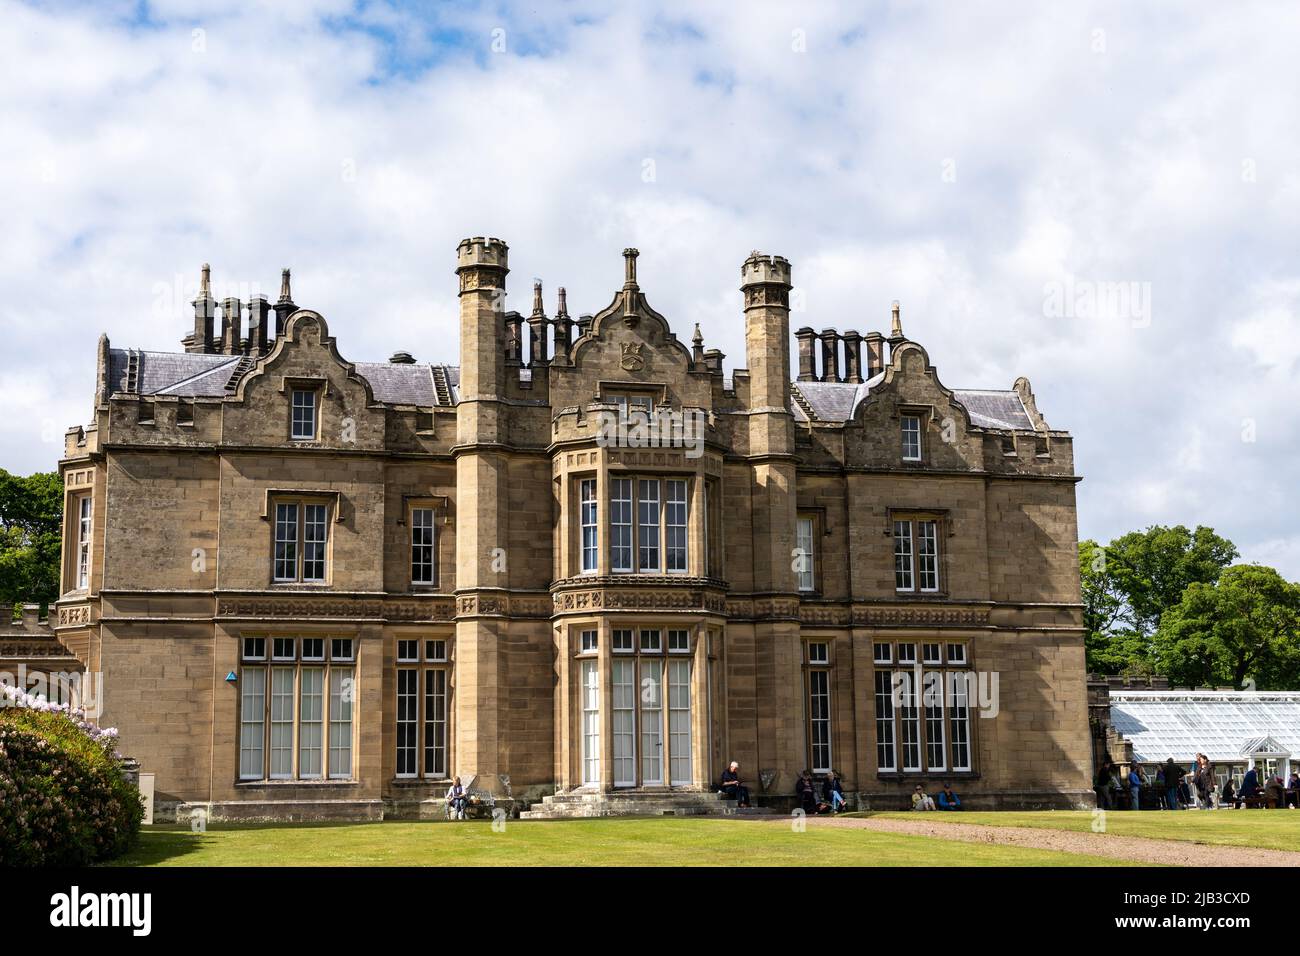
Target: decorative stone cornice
[{"x": 331, "y": 607}]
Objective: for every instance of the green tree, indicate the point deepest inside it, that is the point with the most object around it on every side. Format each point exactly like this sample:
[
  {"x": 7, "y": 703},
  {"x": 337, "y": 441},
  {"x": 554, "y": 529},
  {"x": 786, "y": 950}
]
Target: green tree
[
  {"x": 1104, "y": 609},
  {"x": 31, "y": 523},
  {"x": 1153, "y": 568},
  {"x": 1246, "y": 626}
]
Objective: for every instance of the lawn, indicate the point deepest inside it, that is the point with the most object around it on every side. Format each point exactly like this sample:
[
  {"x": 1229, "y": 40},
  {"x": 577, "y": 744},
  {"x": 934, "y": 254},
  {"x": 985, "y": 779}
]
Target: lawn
[
  {"x": 1267, "y": 829},
  {"x": 598, "y": 842}
]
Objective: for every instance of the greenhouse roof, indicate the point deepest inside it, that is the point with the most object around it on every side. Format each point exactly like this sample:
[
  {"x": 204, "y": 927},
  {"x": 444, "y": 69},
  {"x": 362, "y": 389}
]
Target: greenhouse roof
[{"x": 1223, "y": 725}]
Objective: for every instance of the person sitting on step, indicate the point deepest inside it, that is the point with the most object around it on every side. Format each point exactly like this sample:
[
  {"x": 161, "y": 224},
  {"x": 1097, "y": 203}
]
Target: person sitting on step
[
  {"x": 947, "y": 799},
  {"x": 732, "y": 788}
]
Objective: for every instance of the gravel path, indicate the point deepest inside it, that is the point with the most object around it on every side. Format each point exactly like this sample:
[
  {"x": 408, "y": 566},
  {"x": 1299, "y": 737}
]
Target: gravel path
[{"x": 1132, "y": 849}]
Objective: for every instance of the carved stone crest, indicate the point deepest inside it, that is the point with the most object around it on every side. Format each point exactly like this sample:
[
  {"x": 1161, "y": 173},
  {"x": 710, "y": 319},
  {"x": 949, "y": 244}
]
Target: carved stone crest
[{"x": 632, "y": 360}]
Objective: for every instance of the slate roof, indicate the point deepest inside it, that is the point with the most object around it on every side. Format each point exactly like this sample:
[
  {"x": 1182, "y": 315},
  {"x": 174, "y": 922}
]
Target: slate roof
[
  {"x": 399, "y": 384},
  {"x": 994, "y": 409},
  {"x": 836, "y": 401},
  {"x": 200, "y": 375},
  {"x": 1223, "y": 725}
]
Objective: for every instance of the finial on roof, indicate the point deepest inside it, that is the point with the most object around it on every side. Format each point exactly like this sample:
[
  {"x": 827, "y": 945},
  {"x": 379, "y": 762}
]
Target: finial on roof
[
  {"x": 698, "y": 337},
  {"x": 285, "y": 294},
  {"x": 562, "y": 306},
  {"x": 629, "y": 268},
  {"x": 896, "y": 329},
  {"x": 537, "y": 298},
  {"x": 205, "y": 282}
]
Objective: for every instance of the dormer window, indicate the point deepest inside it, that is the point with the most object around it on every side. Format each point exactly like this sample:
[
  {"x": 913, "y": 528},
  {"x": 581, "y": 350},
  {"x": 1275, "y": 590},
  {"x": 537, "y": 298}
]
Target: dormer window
[
  {"x": 303, "y": 414},
  {"x": 911, "y": 434}
]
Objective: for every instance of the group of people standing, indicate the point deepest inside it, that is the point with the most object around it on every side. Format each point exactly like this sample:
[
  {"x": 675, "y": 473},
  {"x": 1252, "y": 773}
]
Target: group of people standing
[{"x": 1177, "y": 788}]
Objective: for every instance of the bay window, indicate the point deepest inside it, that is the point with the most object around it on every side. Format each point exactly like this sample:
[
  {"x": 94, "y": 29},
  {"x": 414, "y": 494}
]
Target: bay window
[{"x": 649, "y": 522}]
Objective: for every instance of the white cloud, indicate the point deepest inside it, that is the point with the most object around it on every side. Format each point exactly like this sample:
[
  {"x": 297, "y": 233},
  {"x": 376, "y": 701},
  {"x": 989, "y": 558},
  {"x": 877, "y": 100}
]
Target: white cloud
[{"x": 359, "y": 143}]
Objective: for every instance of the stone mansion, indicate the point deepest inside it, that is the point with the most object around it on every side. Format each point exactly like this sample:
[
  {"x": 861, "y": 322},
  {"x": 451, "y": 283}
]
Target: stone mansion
[{"x": 586, "y": 561}]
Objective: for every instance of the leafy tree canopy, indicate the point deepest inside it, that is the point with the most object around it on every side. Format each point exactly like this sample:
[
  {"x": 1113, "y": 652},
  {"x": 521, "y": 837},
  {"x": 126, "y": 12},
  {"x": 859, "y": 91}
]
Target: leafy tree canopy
[
  {"x": 31, "y": 523},
  {"x": 1245, "y": 627}
]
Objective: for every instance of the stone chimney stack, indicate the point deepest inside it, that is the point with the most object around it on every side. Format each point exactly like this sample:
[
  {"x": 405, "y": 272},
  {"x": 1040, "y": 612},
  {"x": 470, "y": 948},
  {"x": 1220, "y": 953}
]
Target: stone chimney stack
[
  {"x": 875, "y": 343},
  {"x": 852, "y": 357},
  {"x": 537, "y": 323},
  {"x": 232, "y": 337},
  {"x": 258, "y": 310},
  {"x": 284, "y": 306},
  {"x": 807, "y": 358},
  {"x": 563, "y": 328},
  {"x": 205, "y": 310},
  {"x": 514, "y": 339},
  {"x": 830, "y": 355}
]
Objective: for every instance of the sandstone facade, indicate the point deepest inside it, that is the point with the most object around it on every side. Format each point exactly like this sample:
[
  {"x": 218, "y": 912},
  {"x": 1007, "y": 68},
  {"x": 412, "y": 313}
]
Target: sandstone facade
[{"x": 584, "y": 559}]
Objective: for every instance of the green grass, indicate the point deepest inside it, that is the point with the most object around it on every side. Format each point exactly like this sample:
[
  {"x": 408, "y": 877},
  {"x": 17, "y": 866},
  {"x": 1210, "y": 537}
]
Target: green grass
[
  {"x": 599, "y": 842},
  {"x": 1265, "y": 829}
]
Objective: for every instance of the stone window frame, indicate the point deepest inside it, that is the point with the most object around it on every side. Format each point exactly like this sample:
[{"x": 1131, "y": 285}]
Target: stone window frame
[
  {"x": 257, "y": 654},
  {"x": 425, "y": 655},
  {"x": 915, "y": 517},
  {"x": 82, "y": 534},
  {"x": 318, "y": 388},
  {"x": 638, "y": 654},
  {"x": 922, "y": 414},
  {"x": 904, "y": 418},
  {"x": 301, "y": 499},
  {"x": 436, "y": 506},
  {"x": 815, "y": 665},
  {"x": 950, "y": 718},
  {"x": 662, "y": 481},
  {"x": 818, "y": 518},
  {"x": 580, "y": 483}
]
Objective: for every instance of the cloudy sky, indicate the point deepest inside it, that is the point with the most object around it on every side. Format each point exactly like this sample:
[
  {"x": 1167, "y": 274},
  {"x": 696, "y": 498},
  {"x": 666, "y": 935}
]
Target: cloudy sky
[{"x": 1102, "y": 198}]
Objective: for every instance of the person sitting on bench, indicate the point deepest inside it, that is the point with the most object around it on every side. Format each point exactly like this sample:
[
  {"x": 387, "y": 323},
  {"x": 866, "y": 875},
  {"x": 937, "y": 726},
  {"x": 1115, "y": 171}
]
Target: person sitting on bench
[
  {"x": 457, "y": 800},
  {"x": 1249, "y": 785},
  {"x": 1275, "y": 794},
  {"x": 732, "y": 788}
]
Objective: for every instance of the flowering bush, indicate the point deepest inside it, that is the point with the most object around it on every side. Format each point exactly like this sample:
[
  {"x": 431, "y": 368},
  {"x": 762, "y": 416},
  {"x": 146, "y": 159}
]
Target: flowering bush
[{"x": 64, "y": 799}]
